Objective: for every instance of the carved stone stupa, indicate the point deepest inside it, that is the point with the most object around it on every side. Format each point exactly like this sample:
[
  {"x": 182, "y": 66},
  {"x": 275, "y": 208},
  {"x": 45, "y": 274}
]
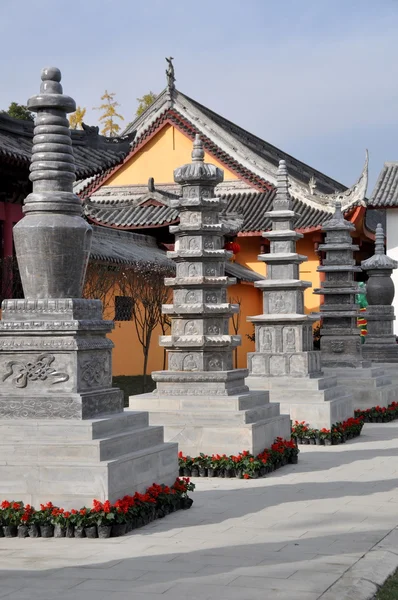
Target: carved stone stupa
[
  {"x": 203, "y": 402},
  {"x": 380, "y": 343},
  {"x": 285, "y": 361},
  {"x": 63, "y": 434}
]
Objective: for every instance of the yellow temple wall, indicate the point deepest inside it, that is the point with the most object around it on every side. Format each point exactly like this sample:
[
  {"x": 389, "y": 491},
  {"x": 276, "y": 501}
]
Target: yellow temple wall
[{"x": 158, "y": 158}]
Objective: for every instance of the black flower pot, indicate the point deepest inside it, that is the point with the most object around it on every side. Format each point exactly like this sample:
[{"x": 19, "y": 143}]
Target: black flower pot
[
  {"x": 239, "y": 474},
  {"x": 202, "y": 472},
  {"x": 59, "y": 531},
  {"x": 187, "y": 472},
  {"x": 10, "y": 531},
  {"x": 327, "y": 442},
  {"x": 104, "y": 531},
  {"x": 227, "y": 473},
  {"x": 263, "y": 471},
  {"x": 294, "y": 460},
  {"x": 79, "y": 532},
  {"x": 312, "y": 441},
  {"x": 159, "y": 513},
  {"x": 306, "y": 441},
  {"x": 1, "y": 531},
  {"x": 195, "y": 472},
  {"x": 186, "y": 503},
  {"x": 33, "y": 531},
  {"x": 212, "y": 472},
  {"x": 23, "y": 531},
  {"x": 299, "y": 440},
  {"x": 46, "y": 530},
  {"x": 318, "y": 441},
  {"x": 69, "y": 532},
  {"x": 129, "y": 526},
  {"x": 91, "y": 531},
  {"x": 118, "y": 529},
  {"x": 181, "y": 471},
  {"x": 220, "y": 473}
]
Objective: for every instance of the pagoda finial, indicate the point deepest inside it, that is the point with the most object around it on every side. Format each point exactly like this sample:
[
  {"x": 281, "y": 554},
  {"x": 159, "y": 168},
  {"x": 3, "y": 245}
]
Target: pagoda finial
[
  {"x": 198, "y": 153},
  {"x": 379, "y": 245},
  {"x": 282, "y": 199},
  {"x": 170, "y": 74}
]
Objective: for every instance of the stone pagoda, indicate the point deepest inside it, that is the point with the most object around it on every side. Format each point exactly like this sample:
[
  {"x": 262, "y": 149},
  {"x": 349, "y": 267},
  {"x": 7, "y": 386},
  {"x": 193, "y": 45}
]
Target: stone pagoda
[
  {"x": 340, "y": 336},
  {"x": 284, "y": 361},
  {"x": 341, "y": 347},
  {"x": 63, "y": 434},
  {"x": 380, "y": 343},
  {"x": 202, "y": 401}
]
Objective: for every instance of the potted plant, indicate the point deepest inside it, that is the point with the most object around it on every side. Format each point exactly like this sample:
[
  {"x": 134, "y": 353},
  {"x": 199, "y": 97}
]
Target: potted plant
[
  {"x": 43, "y": 518},
  {"x": 212, "y": 470},
  {"x": 103, "y": 516},
  {"x": 23, "y": 527},
  {"x": 11, "y": 513},
  {"x": 325, "y": 436},
  {"x": 203, "y": 462},
  {"x": 120, "y": 509},
  {"x": 60, "y": 520},
  {"x": 195, "y": 467},
  {"x": 78, "y": 520}
]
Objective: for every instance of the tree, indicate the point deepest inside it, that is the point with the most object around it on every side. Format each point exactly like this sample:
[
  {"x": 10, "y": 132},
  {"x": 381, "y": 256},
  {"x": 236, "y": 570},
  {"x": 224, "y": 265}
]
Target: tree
[
  {"x": 19, "y": 111},
  {"x": 109, "y": 115},
  {"x": 144, "y": 284},
  {"x": 144, "y": 102},
  {"x": 76, "y": 118},
  {"x": 100, "y": 283}
]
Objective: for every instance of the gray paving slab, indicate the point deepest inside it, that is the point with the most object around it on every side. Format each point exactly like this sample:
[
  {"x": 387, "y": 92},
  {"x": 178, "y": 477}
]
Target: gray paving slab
[{"x": 322, "y": 529}]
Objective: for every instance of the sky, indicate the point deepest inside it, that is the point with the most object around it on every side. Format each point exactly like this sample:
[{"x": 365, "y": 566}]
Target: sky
[{"x": 316, "y": 78}]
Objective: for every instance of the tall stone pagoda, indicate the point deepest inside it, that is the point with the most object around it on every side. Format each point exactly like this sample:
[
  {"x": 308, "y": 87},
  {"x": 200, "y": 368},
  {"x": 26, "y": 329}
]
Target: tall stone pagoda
[
  {"x": 340, "y": 336},
  {"x": 341, "y": 347},
  {"x": 284, "y": 360},
  {"x": 284, "y": 341},
  {"x": 203, "y": 402},
  {"x": 380, "y": 343},
  {"x": 63, "y": 434}
]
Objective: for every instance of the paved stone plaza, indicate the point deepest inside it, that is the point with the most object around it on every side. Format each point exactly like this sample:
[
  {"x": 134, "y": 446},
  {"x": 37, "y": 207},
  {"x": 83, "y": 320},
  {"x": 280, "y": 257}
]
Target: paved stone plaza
[{"x": 300, "y": 534}]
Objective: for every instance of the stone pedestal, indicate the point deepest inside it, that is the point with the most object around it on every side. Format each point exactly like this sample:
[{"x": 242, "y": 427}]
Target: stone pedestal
[
  {"x": 284, "y": 361},
  {"x": 380, "y": 343},
  {"x": 203, "y": 403},
  {"x": 63, "y": 434}
]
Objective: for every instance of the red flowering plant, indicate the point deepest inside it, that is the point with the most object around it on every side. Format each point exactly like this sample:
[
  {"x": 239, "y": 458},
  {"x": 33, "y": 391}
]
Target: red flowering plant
[
  {"x": 28, "y": 515},
  {"x": 44, "y": 515},
  {"x": 80, "y": 518},
  {"x": 11, "y": 512},
  {"x": 325, "y": 434},
  {"x": 300, "y": 430},
  {"x": 60, "y": 517},
  {"x": 102, "y": 513}
]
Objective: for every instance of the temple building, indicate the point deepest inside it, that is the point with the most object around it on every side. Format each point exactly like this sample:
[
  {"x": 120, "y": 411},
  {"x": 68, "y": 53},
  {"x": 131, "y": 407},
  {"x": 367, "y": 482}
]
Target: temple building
[{"x": 127, "y": 186}]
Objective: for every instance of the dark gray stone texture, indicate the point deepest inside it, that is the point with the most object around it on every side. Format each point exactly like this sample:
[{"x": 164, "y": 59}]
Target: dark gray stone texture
[
  {"x": 284, "y": 342},
  {"x": 380, "y": 343},
  {"x": 340, "y": 336}
]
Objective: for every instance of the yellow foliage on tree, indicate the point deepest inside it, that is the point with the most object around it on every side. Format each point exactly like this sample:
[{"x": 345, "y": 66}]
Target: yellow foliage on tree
[
  {"x": 76, "y": 118},
  {"x": 144, "y": 102},
  {"x": 109, "y": 114}
]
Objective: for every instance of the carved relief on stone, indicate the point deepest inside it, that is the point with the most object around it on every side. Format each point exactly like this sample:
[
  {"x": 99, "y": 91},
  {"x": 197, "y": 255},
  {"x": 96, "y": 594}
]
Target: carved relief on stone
[
  {"x": 337, "y": 346},
  {"x": 208, "y": 243},
  {"x": 210, "y": 270},
  {"x": 208, "y": 219},
  {"x": 211, "y": 297},
  {"x": 38, "y": 369},
  {"x": 190, "y": 328},
  {"x": 193, "y": 244},
  {"x": 192, "y": 297},
  {"x": 205, "y": 193},
  {"x": 193, "y": 270},
  {"x": 289, "y": 339},
  {"x": 277, "y": 302},
  {"x": 95, "y": 371},
  {"x": 214, "y": 363},
  {"x": 174, "y": 362},
  {"x": 213, "y": 329},
  {"x": 265, "y": 340},
  {"x": 189, "y": 363}
]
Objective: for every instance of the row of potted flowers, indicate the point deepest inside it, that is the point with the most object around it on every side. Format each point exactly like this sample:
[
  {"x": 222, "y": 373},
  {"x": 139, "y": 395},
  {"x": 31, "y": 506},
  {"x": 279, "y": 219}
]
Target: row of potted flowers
[
  {"x": 244, "y": 465},
  {"x": 103, "y": 520},
  {"x": 339, "y": 433},
  {"x": 379, "y": 414}
]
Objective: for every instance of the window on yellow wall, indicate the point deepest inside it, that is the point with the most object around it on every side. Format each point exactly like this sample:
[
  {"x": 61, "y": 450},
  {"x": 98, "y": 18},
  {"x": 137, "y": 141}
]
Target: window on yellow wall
[{"x": 123, "y": 308}]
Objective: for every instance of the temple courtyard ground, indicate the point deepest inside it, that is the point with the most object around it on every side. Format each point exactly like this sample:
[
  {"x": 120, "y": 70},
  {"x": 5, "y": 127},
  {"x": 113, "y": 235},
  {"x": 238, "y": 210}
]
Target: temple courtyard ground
[{"x": 324, "y": 528}]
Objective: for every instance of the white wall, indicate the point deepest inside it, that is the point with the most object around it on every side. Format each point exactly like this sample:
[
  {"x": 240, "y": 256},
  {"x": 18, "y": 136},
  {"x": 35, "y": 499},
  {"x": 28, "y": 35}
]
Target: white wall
[{"x": 392, "y": 251}]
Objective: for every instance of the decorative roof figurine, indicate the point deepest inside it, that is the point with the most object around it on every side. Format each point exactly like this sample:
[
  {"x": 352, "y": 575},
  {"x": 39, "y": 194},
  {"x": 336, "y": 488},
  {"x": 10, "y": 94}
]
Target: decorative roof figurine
[
  {"x": 380, "y": 344},
  {"x": 170, "y": 74}
]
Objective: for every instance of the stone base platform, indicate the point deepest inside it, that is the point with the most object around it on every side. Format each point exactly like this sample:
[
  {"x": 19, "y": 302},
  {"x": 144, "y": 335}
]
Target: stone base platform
[
  {"x": 216, "y": 424},
  {"x": 369, "y": 386},
  {"x": 72, "y": 462},
  {"x": 319, "y": 401}
]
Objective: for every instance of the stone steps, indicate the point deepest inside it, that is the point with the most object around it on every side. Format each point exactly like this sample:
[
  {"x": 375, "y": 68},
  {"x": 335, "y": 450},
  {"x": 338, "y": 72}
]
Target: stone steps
[
  {"x": 90, "y": 451},
  {"x": 210, "y": 418},
  {"x": 221, "y": 403},
  {"x": 72, "y": 431},
  {"x": 305, "y": 395}
]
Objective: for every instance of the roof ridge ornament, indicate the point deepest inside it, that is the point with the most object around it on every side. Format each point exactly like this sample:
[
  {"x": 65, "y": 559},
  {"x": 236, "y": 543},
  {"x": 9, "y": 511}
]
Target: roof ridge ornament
[{"x": 170, "y": 75}]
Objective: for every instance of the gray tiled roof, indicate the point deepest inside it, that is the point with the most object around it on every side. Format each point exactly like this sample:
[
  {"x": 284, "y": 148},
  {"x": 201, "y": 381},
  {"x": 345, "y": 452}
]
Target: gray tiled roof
[
  {"x": 125, "y": 247},
  {"x": 93, "y": 153},
  {"x": 252, "y": 206},
  {"x": 385, "y": 193}
]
